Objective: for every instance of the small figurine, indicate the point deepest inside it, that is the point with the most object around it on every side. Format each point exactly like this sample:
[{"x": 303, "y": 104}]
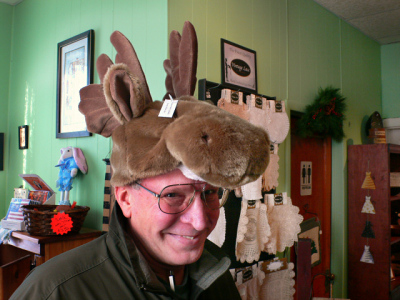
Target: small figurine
[{"x": 71, "y": 160}]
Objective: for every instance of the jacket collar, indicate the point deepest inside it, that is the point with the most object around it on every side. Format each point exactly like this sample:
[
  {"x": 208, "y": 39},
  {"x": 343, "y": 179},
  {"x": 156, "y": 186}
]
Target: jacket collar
[{"x": 212, "y": 264}]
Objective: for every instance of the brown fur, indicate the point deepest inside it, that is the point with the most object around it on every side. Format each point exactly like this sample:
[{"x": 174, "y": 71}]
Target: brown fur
[{"x": 214, "y": 144}]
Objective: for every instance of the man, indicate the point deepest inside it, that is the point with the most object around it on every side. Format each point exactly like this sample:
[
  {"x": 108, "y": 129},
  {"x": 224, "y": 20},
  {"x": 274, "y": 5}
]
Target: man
[{"x": 171, "y": 175}]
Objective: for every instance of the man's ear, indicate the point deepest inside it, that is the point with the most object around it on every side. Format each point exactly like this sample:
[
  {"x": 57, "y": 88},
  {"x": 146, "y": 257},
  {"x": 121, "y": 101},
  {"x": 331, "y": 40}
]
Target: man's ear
[{"x": 124, "y": 196}]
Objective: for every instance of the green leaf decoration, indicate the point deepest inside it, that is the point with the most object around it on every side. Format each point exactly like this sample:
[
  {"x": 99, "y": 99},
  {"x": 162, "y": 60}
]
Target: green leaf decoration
[{"x": 324, "y": 117}]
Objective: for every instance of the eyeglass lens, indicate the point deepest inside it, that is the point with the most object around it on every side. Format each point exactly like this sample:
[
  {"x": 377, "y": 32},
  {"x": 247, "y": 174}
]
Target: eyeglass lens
[{"x": 176, "y": 198}]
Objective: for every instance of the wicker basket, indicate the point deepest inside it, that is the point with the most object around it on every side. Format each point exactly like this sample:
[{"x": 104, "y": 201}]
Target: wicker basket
[{"x": 38, "y": 218}]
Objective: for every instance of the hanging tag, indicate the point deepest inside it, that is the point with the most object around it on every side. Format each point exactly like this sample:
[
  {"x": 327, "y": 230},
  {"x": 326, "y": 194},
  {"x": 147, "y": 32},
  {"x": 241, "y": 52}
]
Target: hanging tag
[
  {"x": 168, "y": 108},
  {"x": 235, "y": 98},
  {"x": 247, "y": 274},
  {"x": 278, "y": 199},
  {"x": 226, "y": 94},
  {"x": 257, "y": 101},
  {"x": 208, "y": 94},
  {"x": 251, "y": 204},
  {"x": 271, "y": 148},
  {"x": 278, "y": 106}
]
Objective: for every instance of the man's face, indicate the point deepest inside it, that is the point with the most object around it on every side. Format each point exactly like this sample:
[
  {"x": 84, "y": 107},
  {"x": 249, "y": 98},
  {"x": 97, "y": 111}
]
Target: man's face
[{"x": 176, "y": 239}]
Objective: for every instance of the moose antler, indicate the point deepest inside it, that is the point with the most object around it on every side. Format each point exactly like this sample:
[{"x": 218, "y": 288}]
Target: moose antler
[
  {"x": 123, "y": 93},
  {"x": 182, "y": 66}
]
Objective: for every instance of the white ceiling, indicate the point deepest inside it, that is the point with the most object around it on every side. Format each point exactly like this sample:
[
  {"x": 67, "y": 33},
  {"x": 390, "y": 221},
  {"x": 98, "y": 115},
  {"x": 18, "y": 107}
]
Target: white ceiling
[{"x": 378, "y": 19}]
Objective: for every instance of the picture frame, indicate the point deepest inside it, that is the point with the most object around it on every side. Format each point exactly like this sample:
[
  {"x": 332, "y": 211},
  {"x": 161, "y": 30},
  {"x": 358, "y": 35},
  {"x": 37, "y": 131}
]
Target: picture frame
[
  {"x": 23, "y": 137},
  {"x": 310, "y": 229},
  {"x": 74, "y": 71},
  {"x": 238, "y": 67},
  {"x": 1, "y": 151}
]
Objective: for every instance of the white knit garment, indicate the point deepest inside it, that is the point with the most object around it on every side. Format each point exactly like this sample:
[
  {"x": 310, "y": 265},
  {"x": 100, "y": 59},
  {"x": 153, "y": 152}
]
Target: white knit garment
[
  {"x": 284, "y": 221},
  {"x": 279, "y": 285},
  {"x": 217, "y": 236},
  {"x": 271, "y": 174},
  {"x": 235, "y": 109},
  {"x": 250, "y": 290},
  {"x": 252, "y": 190},
  {"x": 259, "y": 116},
  {"x": 253, "y": 232},
  {"x": 279, "y": 125}
]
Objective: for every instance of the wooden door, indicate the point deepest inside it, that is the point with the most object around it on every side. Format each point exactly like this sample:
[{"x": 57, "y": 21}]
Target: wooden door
[{"x": 311, "y": 164}]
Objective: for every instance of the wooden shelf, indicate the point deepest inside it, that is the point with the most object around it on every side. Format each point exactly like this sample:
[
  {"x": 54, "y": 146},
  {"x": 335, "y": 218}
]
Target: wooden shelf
[{"x": 208, "y": 90}]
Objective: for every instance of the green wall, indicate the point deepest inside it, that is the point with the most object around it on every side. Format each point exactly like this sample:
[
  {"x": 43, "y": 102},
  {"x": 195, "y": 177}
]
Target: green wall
[
  {"x": 37, "y": 27},
  {"x": 300, "y": 47},
  {"x": 6, "y": 13},
  {"x": 391, "y": 80}
]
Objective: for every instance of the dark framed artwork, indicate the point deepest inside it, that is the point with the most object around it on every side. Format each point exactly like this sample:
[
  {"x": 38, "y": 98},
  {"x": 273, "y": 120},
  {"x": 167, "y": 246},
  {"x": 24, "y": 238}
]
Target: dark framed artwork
[
  {"x": 310, "y": 229},
  {"x": 1, "y": 151},
  {"x": 74, "y": 71},
  {"x": 239, "y": 67},
  {"x": 23, "y": 136}
]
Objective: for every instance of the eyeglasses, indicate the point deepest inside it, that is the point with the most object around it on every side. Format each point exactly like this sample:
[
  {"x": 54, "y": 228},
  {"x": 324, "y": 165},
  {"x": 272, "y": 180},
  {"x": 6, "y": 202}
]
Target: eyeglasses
[{"x": 174, "y": 199}]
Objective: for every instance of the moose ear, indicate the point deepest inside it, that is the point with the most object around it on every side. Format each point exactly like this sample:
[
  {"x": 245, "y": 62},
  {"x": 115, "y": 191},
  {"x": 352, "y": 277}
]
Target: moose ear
[
  {"x": 126, "y": 54},
  {"x": 124, "y": 94},
  {"x": 98, "y": 116}
]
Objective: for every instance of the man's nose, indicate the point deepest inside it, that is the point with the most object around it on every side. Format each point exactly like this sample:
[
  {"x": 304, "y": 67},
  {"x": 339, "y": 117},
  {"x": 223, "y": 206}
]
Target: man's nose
[{"x": 197, "y": 213}]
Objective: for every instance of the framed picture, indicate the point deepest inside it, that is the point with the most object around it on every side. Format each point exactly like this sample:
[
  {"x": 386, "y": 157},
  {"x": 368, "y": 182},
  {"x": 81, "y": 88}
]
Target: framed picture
[
  {"x": 239, "y": 68},
  {"x": 23, "y": 136},
  {"x": 74, "y": 71},
  {"x": 1, "y": 151},
  {"x": 310, "y": 229}
]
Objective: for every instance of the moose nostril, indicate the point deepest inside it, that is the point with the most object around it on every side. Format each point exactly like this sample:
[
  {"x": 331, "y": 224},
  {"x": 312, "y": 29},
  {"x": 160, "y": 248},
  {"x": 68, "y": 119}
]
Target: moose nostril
[{"x": 205, "y": 138}]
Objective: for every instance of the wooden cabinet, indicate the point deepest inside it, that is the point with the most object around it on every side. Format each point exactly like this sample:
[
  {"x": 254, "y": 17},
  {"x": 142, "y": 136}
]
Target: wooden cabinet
[
  {"x": 373, "y": 280},
  {"x": 37, "y": 248},
  {"x": 14, "y": 266},
  {"x": 46, "y": 247}
]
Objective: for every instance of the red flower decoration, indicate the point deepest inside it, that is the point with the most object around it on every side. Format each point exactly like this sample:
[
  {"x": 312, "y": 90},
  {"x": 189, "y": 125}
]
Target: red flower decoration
[{"x": 61, "y": 223}]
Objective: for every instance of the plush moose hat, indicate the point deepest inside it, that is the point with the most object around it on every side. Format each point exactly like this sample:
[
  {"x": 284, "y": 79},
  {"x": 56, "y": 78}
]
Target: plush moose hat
[{"x": 213, "y": 144}]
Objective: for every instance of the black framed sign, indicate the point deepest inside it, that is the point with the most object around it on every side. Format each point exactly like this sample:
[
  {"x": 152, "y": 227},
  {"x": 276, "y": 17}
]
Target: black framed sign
[
  {"x": 74, "y": 71},
  {"x": 239, "y": 67},
  {"x": 1, "y": 151}
]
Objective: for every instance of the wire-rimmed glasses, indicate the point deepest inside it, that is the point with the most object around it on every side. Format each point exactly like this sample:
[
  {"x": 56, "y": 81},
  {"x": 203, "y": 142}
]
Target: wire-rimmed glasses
[{"x": 175, "y": 198}]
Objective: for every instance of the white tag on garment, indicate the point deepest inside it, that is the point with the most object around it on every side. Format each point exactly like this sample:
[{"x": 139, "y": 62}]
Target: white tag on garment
[{"x": 168, "y": 108}]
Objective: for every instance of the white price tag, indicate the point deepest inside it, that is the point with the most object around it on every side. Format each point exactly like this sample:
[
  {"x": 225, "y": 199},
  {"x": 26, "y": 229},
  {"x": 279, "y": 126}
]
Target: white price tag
[{"x": 168, "y": 108}]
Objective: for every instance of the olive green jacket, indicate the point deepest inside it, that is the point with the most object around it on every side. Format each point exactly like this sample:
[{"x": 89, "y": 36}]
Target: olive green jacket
[{"x": 111, "y": 267}]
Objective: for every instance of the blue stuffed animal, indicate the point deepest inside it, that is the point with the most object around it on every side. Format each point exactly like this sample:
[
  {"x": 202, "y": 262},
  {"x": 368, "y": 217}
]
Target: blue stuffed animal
[{"x": 71, "y": 160}]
